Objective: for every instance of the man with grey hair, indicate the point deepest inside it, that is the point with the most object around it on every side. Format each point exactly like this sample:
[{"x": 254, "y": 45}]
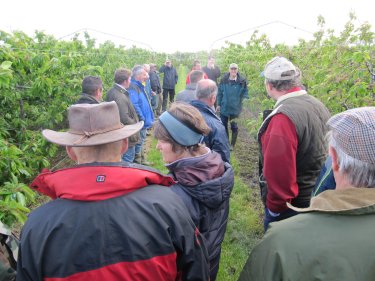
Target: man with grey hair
[
  {"x": 188, "y": 94},
  {"x": 291, "y": 140},
  {"x": 217, "y": 139},
  {"x": 332, "y": 239},
  {"x": 143, "y": 108},
  {"x": 147, "y": 83}
]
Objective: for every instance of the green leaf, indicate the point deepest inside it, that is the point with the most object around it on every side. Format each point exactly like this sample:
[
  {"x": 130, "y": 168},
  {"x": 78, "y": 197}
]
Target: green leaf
[{"x": 6, "y": 64}]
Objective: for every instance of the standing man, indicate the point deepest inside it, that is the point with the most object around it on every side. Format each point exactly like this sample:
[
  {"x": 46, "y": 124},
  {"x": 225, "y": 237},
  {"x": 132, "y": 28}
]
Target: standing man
[
  {"x": 196, "y": 66},
  {"x": 128, "y": 116},
  {"x": 291, "y": 140},
  {"x": 147, "y": 83},
  {"x": 333, "y": 238},
  {"x": 169, "y": 83},
  {"x": 142, "y": 106},
  {"x": 156, "y": 89},
  {"x": 108, "y": 220},
  {"x": 217, "y": 139},
  {"x": 92, "y": 90},
  {"x": 232, "y": 91},
  {"x": 212, "y": 70},
  {"x": 188, "y": 94}
]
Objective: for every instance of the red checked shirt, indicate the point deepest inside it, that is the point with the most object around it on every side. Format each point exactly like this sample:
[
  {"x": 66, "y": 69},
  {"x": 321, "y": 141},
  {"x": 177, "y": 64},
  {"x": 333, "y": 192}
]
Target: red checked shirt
[{"x": 279, "y": 146}]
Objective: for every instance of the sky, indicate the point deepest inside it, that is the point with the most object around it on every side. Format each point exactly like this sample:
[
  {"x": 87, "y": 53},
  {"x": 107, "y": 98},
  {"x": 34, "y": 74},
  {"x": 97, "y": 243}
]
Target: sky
[{"x": 185, "y": 26}]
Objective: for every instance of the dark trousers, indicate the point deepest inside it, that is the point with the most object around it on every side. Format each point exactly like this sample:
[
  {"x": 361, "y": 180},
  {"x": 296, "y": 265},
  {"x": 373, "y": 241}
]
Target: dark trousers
[
  {"x": 233, "y": 124},
  {"x": 171, "y": 94},
  {"x": 214, "y": 266}
]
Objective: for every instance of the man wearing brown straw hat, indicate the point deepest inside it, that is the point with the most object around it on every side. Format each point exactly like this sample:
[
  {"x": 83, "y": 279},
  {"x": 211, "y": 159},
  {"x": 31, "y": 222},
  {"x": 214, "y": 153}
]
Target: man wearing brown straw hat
[
  {"x": 333, "y": 238},
  {"x": 109, "y": 220}
]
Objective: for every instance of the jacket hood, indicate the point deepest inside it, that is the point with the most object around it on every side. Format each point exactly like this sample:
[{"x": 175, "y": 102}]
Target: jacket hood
[
  {"x": 201, "y": 177},
  {"x": 97, "y": 181},
  {"x": 351, "y": 201}
]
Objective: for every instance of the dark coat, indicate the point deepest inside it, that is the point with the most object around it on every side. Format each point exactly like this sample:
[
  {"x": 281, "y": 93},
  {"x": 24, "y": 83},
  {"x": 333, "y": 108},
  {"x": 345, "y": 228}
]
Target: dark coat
[
  {"x": 217, "y": 139},
  {"x": 128, "y": 116},
  {"x": 231, "y": 94},
  {"x": 170, "y": 77},
  {"x": 207, "y": 200},
  {"x": 86, "y": 98},
  {"x": 155, "y": 82},
  {"x": 212, "y": 73},
  {"x": 122, "y": 225}
]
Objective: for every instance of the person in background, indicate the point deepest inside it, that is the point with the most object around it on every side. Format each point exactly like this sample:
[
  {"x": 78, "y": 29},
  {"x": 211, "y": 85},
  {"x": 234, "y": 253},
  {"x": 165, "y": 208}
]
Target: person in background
[
  {"x": 156, "y": 99},
  {"x": 142, "y": 106},
  {"x": 232, "y": 91},
  {"x": 147, "y": 83},
  {"x": 326, "y": 180},
  {"x": 217, "y": 139},
  {"x": 291, "y": 140},
  {"x": 170, "y": 80},
  {"x": 331, "y": 239},
  {"x": 188, "y": 94},
  {"x": 92, "y": 90},
  {"x": 108, "y": 220},
  {"x": 128, "y": 115},
  {"x": 212, "y": 70},
  {"x": 204, "y": 180},
  {"x": 196, "y": 66}
]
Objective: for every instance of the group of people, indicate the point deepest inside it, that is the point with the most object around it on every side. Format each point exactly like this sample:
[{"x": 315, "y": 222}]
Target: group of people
[
  {"x": 316, "y": 229},
  {"x": 113, "y": 219}
]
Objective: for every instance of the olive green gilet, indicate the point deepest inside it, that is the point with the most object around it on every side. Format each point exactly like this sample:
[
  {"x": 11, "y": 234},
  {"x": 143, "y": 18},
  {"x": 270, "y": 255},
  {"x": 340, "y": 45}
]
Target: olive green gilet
[{"x": 309, "y": 116}]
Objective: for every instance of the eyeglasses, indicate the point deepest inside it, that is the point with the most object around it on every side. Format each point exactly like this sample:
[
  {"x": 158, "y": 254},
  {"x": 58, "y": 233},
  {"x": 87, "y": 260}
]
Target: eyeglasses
[{"x": 233, "y": 68}]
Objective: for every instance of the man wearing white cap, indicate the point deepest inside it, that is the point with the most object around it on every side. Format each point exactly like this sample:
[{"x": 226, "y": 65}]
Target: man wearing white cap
[
  {"x": 109, "y": 220},
  {"x": 292, "y": 142},
  {"x": 333, "y": 238},
  {"x": 232, "y": 91}
]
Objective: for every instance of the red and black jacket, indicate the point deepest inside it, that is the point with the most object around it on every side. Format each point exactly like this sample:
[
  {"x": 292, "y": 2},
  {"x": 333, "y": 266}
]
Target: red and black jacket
[{"x": 110, "y": 222}]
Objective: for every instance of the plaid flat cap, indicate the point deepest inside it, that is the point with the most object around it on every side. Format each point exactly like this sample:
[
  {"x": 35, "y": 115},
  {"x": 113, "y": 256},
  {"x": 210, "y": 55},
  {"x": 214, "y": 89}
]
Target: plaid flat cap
[{"x": 354, "y": 132}]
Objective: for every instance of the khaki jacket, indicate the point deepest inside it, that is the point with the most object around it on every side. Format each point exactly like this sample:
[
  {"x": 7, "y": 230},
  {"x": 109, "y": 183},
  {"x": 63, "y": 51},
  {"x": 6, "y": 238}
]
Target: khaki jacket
[{"x": 333, "y": 239}]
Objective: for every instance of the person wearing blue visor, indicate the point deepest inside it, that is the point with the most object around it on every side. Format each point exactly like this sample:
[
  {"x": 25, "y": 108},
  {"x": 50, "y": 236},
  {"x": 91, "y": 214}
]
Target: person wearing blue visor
[{"x": 204, "y": 180}]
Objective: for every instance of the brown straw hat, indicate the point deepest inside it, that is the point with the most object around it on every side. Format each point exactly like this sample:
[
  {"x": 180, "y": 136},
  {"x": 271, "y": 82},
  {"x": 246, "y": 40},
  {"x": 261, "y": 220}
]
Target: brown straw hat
[{"x": 93, "y": 124}]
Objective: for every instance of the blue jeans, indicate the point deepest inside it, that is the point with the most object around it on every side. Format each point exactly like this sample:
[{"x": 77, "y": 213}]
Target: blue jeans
[
  {"x": 129, "y": 155},
  {"x": 139, "y": 146},
  {"x": 282, "y": 216}
]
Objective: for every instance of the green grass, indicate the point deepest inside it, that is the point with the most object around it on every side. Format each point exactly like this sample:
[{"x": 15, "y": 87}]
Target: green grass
[
  {"x": 182, "y": 73},
  {"x": 243, "y": 230}
]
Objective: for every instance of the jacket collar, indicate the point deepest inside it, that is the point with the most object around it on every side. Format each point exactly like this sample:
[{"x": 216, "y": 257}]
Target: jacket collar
[
  {"x": 354, "y": 201},
  {"x": 290, "y": 95},
  {"x": 97, "y": 181},
  {"x": 138, "y": 83},
  {"x": 204, "y": 107},
  {"x": 191, "y": 86},
  {"x": 119, "y": 88},
  {"x": 239, "y": 79}
]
